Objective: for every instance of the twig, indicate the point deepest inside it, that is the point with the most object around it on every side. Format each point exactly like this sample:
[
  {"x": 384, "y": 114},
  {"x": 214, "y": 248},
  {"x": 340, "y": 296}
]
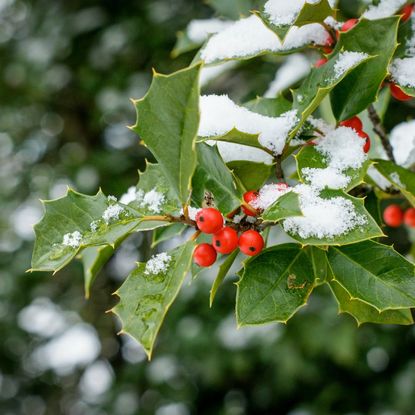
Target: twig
[
  {"x": 380, "y": 131},
  {"x": 278, "y": 167}
]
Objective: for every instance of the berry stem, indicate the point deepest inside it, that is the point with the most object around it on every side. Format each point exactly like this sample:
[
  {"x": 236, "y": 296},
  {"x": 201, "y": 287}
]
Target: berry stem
[
  {"x": 380, "y": 131},
  {"x": 195, "y": 236}
]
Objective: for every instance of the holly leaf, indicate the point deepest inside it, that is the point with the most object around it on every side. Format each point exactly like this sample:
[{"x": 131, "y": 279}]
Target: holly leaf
[
  {"x": 309, "y": 157},
  {"x": 223, "y": 272},
  {"x": 401, "y": 178},
  {"x": 183, "y": 44},
  {"x": 251, "y": 175},
  {"x": 286, "y": 206},
  {"x": 364, "y": 313},
  {"x": 145, "y": 298},
  {"x": 270, "y": 107},
  {"x": 320, "y": 264},
  {"x": 80, "y": 219},
  {"x": 320, "y": 82},
  {"x": 213, "y": 175},
  {"x": 274, "y": 285},
  {"x": 374, "y": 274},
  {"x": 368, "y": 230},
  {"x": 168, "y": 121},
  {"x": 237, "y": 137},
  {"x": 360, "y": 88},
  {"x": 310, "y": 13}
]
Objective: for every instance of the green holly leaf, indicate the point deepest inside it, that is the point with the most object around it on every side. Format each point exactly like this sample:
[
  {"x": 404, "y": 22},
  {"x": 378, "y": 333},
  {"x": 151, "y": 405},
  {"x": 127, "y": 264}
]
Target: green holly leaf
[
  {"x": 168, "y": 121},
  {"x": 145, "y": 298},
  {"x": 360, "y": 88},
  {"x": 369, "y": 229},
  {"x": 237, "y": 137},
  {"x": 274, "y": 285},
  {"x": 320, "y": 264},
  {"x": 309, "y": 157},
  {"x": 93, "y": 259},
  {"x": 183, "y": 44},
  {"x": 74, "y": 222},
  {"x": 270, "y": 107},
  {"x": 401, "y": 178},
  {"x": 167, "y": 232},
  {"x": 223, "y": 272},
  {"x": 374, "y": 274},
  {"x": 320, "y": 82},
  {"x": 213, "y": 175},
  {"x": 364, "y": 313},
  {"x": 310, "y": 13},
  {"x": 286, "y": 206},
  {"x": 251, "y": 175}
]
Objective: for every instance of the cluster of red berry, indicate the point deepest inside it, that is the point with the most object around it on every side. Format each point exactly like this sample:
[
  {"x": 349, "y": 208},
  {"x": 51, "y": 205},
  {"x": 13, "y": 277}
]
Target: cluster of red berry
[
  {"x": 396, "y": 91},
  {"x": 224, "y": 240},
  {"x": 394, "y": 216},
  {"x": 357, "y": 125}
]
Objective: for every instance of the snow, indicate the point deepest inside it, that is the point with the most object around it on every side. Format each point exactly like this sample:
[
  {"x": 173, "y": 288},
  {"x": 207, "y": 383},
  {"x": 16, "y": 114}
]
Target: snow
[
  {"x": 329, "y": 177},
  {"x": 112, "y": 199},
  {"x": 283, "y": 12},
  {"x": 322, "y": 218},
  {"x": 192, "y": 211},
  {"x": 293, "y": 70},
  {"x": 403, "y": 71},
  {"x": 402, "y": 139},
  {"x": 397, "y": 179},
  {"x": 210, "y": 73},
  {"x": 131, "y": 196},
  {"x": 268, "y": 195},
  {"x": 112, "y": 213},
  {"x": 321, "y": 125},
  {"x": 94, "y": 225},
  {"x": 152, "y": 200},
  {"x": 378, "y": 178},
  {"x": 347, "y": 60},
  {"x": 199, "y": 30},
  {"x": 158, "y": 264},
  {"x": 219, "y": 115},
  {"x": 248, "y": 37},
  {"x": 72, "y": 239},
  {"x": 385, "y": 8}
]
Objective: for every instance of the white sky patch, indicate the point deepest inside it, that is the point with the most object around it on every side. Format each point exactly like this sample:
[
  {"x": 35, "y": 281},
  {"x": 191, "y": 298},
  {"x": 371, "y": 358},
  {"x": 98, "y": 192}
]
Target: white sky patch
[
  {"x": 397, "y": 179},
  {"x": 199, "y": 30},
  {"x": 268, "y": 195},
  {"x": 403, "y": 71},
  {"x": 385, "y": 8},
  {"x": 329, "y": 177},
  {"x": 295, "y": 68},
  {"x": 283, "y": 12},
  {"x": 250, "y": 36},
  {"x": 158, "y": 264},
  {"x": 112, "y": 213},
  {"x": 219, "y": 115},
  {"x": 323, "y": 218},
  {"x": 402, "y": 139},
  {"x": 210, "y": 73},
  {"x": 73, "y": 239},
  {"x": 347, "y": 60}
]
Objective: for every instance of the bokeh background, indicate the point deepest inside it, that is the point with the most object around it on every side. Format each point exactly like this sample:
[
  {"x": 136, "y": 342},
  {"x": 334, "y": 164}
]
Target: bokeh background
[{"x": 68, "y": 69}]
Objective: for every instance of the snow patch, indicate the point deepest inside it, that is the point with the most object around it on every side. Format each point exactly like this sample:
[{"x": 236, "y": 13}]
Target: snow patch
[
  {"x": 347, "y": 60},
  {"x": 329, "y": 177},
  {"x": 385, "y": 8},
  {"x": 158, "y": 264},
  {"x": 112, "y": 213},
  {"x": 199, "y": 30},
  {"x": 269, "y": 194},
  {"x": 402, "y": 139},
  {"x": 72, "y": 239},
  {"x": 403, "y": 71}
]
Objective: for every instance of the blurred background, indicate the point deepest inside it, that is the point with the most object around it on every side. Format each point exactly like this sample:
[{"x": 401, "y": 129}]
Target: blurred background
[{"x": 68, "y": 69}]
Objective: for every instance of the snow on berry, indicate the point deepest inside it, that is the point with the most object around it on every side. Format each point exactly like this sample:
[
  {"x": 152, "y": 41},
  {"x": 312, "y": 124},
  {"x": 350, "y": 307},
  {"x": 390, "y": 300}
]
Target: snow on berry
[
  {"x": 284, "y": 13},
  {"x": 219, "y": 115},
  {"x": 112, "y": 213},
  {"x": 295, "y": 68},
  {"x": 268, "y": 195},
  {"x": 199, "y": 30},
  {"x": 250, "y": 36},
  {"x": 322, "y": 218},
  {"x": 72, "y": 239},
  {"x": 385, "y": 8},
  {"x": 158, "y": 264},
  {"x": 402, "y": 139},
  {"x": 347, "y": 60},
  {"x": 402, "y": 71}
]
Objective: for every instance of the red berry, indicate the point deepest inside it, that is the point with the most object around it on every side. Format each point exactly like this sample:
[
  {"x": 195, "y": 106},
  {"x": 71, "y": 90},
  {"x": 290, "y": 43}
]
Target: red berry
[
  {"x": 204, "y": 255},
  {"x": 398, "y": 94},
  {"x": 409, "y": 217},
  {"x": 225, "y": 241},
  {"x": 251, "y": 243},
  {"x": 354, "y": 123},
  {"x": 366, "y": 137},
  {"x": 393, "y": 216},
  {"x": 407, "y": 12},
  {"x": 321, "y": 62},
  {"x": 349, "y": 24},
  {"x": 250, "y": 197},
  {"x": 209, "y": 220},
  {"x": 328, "y": 45}
]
